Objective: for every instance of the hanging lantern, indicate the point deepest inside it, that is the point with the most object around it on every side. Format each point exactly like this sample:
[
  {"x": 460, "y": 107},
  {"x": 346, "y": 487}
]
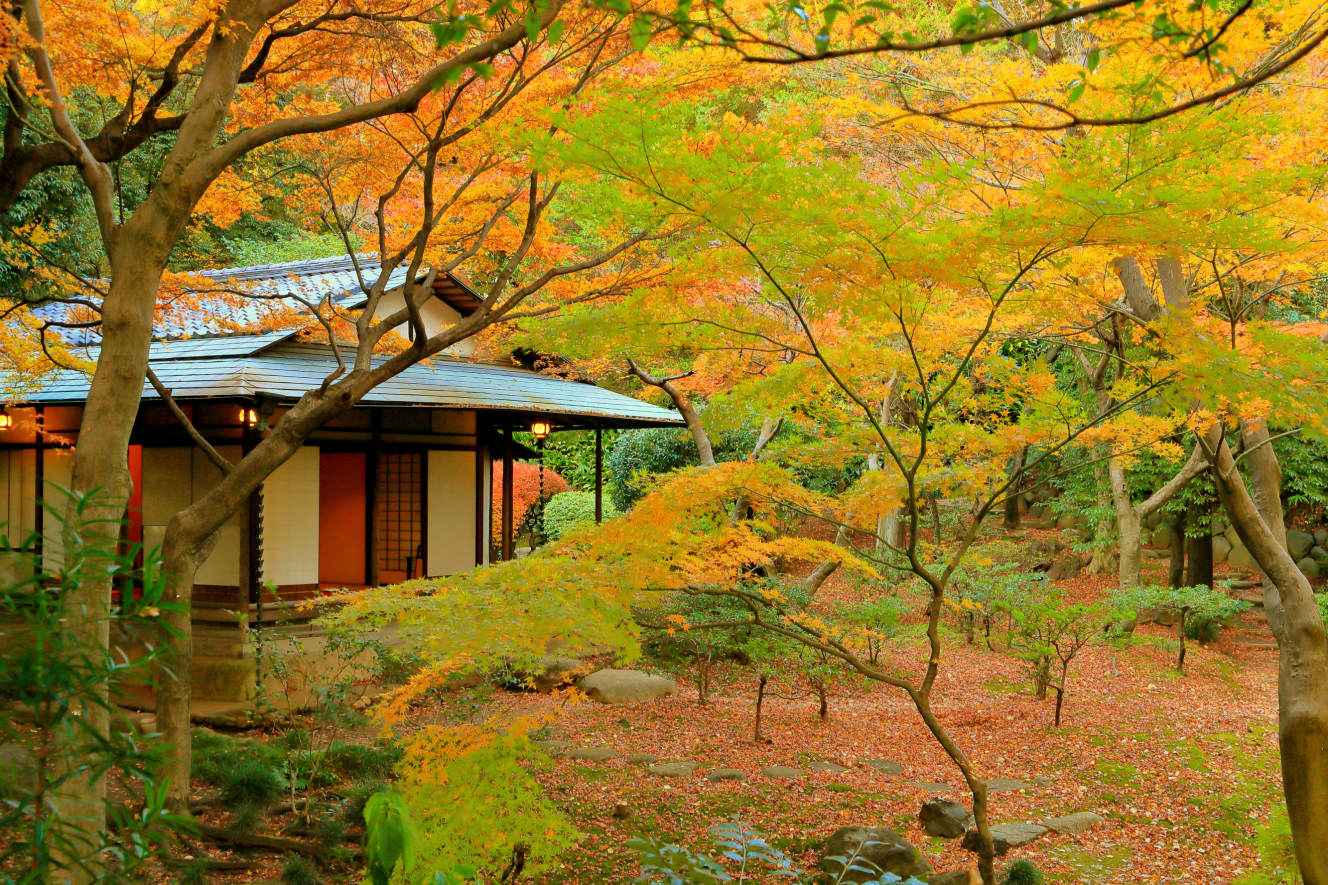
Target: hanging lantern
[{"x": 541, "y": 429}]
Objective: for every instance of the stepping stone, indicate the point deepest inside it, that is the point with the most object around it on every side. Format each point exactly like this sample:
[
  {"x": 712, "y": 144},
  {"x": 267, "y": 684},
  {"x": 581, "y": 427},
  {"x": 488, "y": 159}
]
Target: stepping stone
[
  {"x": 1073, "y": 824},
  {"x": 1005, "y": 785},
  {"x": 640, "y": 758},
  {"x": 553, "y": 748},
  {"x": 884, "y": 766},
  {"x": 932, "y": 786},
  {"x": 1005, "y": 836},
  {"x": 672, "y": 769},
  {"x": 592, "y": 754},
  {"x": 826, "y": 765},
  {"x": 726, "y": 774},
  {"x": 783, "y": 771}
]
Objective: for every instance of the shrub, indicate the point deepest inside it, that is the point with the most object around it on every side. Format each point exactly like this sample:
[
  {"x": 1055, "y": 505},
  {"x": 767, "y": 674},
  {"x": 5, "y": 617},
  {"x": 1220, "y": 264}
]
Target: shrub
[
  {"x": 298, "y": 871},
  {"x": 1199, "y": 611},
  {"x": 216, "y": 756},
  {"x": 252, "y": 783},
  {"x": 568, "y": 511},
  {"x": 525, "y": 493},
  {"x": 362, "y": 760},
  {"x": 1022, "y": 872}
]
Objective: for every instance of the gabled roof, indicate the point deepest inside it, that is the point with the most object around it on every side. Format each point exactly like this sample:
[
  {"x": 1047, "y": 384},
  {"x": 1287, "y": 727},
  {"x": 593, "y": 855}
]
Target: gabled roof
[{"x": 267, "y": 366}]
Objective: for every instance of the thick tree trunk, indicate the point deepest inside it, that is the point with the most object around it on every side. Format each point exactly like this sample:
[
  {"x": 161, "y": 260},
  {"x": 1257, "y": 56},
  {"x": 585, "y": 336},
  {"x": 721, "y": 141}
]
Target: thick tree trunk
[
  {"x": 1012, "y": 514},
  {"x": 1199, "y": 553},
  {"x": 1176, "y": 567},
  {"x": 1302, "y": 662},
  {"x": 101, "y": 470}
]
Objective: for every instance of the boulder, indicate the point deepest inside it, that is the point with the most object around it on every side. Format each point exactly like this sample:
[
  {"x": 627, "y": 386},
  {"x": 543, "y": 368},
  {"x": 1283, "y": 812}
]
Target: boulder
[
  {"x": 1239, "y": 556},
  {"x": 1073, "y": 824},
  {"x": 1162, "y": 536},
  {"x": 957, "y": 877},
  {"x": 1309, "y": 567},
  {"x": 1065, "y": 521},
  {"x": 1005, "y": 836},
  {"x": 1232, "y": 537},
  {"x": 881, "y": 847},
  {"x": 1065, "y": 567},
  {"x": 1299, "y": 543},
  {"x": 943, "y": 818},
  {"x": 557, "y": 671},
  {"x": 1319, "y": 554},
  {"x": 18, "y": 769},
  {"x": 1321, "y": 537},
  {"x": 626, "y": 686},
  {"x": 672, "y": 769},
  {"x": 1039, "y": 555},
  {"x": 1221, "y": 548},
  {"x": 726, "y": 774}
]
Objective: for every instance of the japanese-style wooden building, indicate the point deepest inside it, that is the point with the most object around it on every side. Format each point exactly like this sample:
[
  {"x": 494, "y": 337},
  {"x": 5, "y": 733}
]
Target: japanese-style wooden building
[{"x": 398, "y": 487}]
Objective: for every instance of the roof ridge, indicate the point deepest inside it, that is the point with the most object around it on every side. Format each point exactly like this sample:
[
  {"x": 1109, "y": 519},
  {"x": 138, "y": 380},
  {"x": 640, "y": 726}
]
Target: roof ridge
[{"x": 328, "y": 264}]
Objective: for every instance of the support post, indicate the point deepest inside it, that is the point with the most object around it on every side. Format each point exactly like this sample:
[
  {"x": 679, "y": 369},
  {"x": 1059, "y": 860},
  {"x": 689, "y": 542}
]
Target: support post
[
  {"x": 599, "y": 475},
  {"x": 371, "y": 499},
  {"x": 507, "y": 494}
]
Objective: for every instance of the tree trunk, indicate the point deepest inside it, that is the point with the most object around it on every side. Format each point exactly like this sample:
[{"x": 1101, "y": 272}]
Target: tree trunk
[
  {"x": 760, "y": 699},
  {"x": 1176, "y": 568},
  {"x": 101, "y": 469},
  {"x": 1180, "y": 635},
  {"x": 1199, "y": 553},
  {"x": 1060, "y": 701},
  {"x": 1012, "y": 494},
  {"x": 1302, "y": 679}
]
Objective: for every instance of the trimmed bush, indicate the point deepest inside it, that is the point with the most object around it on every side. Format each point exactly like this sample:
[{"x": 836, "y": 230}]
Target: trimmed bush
[{"x": 568, "y": 511}]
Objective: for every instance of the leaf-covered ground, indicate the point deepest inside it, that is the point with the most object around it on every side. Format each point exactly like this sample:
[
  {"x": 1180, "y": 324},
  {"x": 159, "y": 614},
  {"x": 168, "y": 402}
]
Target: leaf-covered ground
[{"x": 1184, "y": 768}]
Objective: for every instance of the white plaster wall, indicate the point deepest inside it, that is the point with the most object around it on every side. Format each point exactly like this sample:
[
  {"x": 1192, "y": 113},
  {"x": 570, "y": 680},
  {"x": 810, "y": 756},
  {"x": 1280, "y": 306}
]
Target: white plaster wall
[
  {"x": 58, "y": 474},
  {"x": 290, "y": 521},
  {"x": 17, "y": 478},
  {"x": 451, "y": 507},
  {"x": 173, "y": 478},
  {"x": 436, "y": 315}
]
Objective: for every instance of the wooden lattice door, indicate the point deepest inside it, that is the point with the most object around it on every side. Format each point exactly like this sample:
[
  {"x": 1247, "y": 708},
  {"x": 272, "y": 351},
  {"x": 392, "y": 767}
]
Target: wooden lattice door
[{"x": 400, "y": 520}]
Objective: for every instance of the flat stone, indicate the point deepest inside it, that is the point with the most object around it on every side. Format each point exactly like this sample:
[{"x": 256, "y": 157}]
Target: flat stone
[
  {"x": 592, "y": 754},
  {"x": 825, "y": 765},
  {"x": 1005, "y": 785},
  {"x": 626, "y": 686},
  {"x": 1006, "y": 836},
  {"x": 783, "y": 771},
  {"x": 956, "y": 877},
  {"x": 726, "y": 774},
  {"x": 640, "y": 758},
  {"x": 884, "y": 766},
  {"x": 932, "y": 786},
  {"x": 1073, "y": 824},
  {"x": 672, "y": 769}
]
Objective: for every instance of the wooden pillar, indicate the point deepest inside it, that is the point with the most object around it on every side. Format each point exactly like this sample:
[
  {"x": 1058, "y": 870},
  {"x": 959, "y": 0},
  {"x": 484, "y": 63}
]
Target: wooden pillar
[
  {"x": 599, "y": 475},
  {"x": 507, "y": 494},
  {"x": 371, "y": 500},
  {"x": 39, "y": 487}
]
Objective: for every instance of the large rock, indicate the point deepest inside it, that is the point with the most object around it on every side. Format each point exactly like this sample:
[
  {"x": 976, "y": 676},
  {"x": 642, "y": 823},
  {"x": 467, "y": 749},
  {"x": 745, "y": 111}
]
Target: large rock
[
  {"x": 957, "y": 877},
  {"x": 943, "y": 818},
  {"x": 1221, "y": 548},
  {"x": 1299, "y": 543},
  {"x": 1162, "y": 536},
  {"x": 1006, "y": 836},
  {"x": 1239, "y": 556},
  {"x": 1321, "y": 537},
  {"x": 1039, "y": 555},
  {"x": 881, "y": 847},
  {"x": 18, "y": 770},
  {"x": 1319, "y": 554},
  {"x": 626, "y": 686},
  {"x": 1065, "y": 567},
  {"x": 1073, "y": 824},
  {"x": 1309, "y": 567},
  {"x": 557, "y": 671}
]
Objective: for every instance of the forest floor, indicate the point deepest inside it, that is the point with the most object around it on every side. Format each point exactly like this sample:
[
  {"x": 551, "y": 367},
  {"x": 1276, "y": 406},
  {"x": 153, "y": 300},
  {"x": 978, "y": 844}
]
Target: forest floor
[{"x": 1184, "y": 768}]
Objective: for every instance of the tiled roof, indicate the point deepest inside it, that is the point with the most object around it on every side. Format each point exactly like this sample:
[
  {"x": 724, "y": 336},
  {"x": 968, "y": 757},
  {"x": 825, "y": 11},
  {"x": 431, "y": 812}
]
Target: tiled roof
[
  {"x": 270, "y": 296},
  {"x": 261, "y": 365}
]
